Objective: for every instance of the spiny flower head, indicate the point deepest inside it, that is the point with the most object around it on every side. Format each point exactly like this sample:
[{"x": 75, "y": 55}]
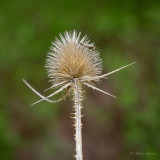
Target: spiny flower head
[
  {"x": 72, "y": 60},
  {"x": 71, "y": 57}
]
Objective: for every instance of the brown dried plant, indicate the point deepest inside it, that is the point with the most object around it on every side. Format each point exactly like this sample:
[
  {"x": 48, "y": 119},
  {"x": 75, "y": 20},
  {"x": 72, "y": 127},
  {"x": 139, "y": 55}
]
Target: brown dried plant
[{"x": 73, "y": 63}]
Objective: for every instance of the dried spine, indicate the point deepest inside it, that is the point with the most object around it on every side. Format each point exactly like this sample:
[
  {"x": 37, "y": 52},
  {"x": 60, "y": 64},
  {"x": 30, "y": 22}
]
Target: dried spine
[{"x": 71, "y": 64}]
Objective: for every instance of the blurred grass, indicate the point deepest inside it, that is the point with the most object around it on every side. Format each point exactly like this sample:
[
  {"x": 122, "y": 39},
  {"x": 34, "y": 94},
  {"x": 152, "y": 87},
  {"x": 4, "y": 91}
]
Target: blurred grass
[{"x": 124, "y": 31}]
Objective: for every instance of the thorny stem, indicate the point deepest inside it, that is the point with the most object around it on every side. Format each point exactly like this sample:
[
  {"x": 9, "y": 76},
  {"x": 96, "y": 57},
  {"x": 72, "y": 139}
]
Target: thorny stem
[{"x": 78, "y": 135}]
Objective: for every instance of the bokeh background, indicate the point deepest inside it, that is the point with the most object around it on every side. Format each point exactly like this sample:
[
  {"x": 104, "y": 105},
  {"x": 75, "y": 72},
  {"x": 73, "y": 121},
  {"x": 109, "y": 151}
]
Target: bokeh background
[{"x": 127, "y": 128}]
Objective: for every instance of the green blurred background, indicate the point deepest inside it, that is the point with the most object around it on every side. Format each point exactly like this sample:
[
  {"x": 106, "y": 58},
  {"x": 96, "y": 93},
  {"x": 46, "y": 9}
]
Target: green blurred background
[{"x": 113, "y": 129}]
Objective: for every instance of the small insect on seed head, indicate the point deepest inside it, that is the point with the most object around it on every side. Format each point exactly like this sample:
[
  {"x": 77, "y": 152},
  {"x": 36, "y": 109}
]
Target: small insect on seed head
[{"x": 89, "y": 46}]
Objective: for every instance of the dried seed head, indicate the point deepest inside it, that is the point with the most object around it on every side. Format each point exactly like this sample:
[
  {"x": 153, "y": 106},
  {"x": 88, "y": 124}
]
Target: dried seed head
[
  {"x": 71, "y": 62},
  {"x": 69, "y": 59}
]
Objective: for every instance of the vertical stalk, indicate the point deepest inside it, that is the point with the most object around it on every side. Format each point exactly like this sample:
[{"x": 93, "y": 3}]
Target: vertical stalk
[{"x": 78, "y": 135}]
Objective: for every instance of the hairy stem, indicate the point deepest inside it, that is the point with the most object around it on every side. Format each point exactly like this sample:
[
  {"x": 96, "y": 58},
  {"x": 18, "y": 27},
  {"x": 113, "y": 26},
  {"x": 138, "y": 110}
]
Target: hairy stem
[{"x": 78, "y": 135}]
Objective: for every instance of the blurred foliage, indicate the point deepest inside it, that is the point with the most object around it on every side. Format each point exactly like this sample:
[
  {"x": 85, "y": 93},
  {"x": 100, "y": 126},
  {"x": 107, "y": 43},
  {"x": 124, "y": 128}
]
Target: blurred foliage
[{"x": 123, "y": 31}]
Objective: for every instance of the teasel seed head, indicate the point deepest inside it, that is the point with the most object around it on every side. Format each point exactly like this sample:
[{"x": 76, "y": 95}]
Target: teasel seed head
[{"x": 69, "y": 59}]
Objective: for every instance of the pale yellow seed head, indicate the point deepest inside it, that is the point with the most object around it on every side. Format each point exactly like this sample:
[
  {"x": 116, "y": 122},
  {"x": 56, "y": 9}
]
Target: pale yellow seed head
[{"x": 70, "y": 58}]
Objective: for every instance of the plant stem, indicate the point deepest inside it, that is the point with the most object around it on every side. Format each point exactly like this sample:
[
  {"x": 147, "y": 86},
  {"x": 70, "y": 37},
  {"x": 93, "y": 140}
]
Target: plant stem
[{"x": 78, "y": 135}]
